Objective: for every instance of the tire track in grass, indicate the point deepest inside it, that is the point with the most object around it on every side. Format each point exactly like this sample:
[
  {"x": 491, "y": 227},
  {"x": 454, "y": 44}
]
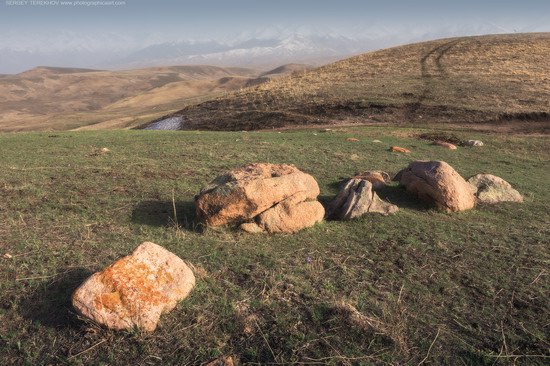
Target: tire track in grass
[{"x": 431, "y": 66}]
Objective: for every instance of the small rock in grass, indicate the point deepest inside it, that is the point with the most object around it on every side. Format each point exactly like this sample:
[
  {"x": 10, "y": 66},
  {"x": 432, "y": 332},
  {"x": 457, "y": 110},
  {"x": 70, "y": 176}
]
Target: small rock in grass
[
  {"x": 399, "y": 149},
  {"x": 135, "y": 290},
  {"x": 222, "y": 361},
  {"x": 473, "y": 143},
  {"x": 100, "y": 151},
  {"x": 377, "y": 141},
  {"x": 444, "y": 144}
]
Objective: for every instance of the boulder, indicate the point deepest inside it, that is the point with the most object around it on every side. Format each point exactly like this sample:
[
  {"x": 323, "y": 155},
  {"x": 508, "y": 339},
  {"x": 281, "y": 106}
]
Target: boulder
[
  {"x": 399, "y": 149},
  {"x": 446, "y": 145},
  {"x": 356, "y": 199},
  {"x": 287, "y": 217},
  {"x": 378, "y": 178},
  {"x": 474, "y": 143},
  {"x": 135, "y": 290},
  {"x": 263, "y": 197},
  {"x": 492, "y": 189},
  {"x": 437, "y": 182}
]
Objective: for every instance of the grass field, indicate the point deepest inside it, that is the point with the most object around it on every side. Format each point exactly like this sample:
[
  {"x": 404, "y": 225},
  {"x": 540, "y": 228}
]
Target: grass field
[{"x": 418, "y": 287}]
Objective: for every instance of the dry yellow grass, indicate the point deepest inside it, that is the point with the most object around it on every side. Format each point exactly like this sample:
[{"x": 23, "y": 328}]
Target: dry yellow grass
[
  {"x": 60, "y": 99},
  {"x": 468, "y": 80}
]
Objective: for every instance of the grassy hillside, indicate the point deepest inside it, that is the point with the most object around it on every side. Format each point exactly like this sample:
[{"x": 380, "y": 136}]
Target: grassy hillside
[
  {"x": 476, "y": 80},
  {"x": 47, "y": 98},
  {"x": 419, "y": 287}
]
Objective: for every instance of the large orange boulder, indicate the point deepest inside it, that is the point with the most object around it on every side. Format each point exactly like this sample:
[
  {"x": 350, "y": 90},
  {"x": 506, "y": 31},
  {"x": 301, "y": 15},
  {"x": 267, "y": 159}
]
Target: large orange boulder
[
  {"x": 263, "y": 197},
  {"x": 437, "y": 182},
  {"x": 135, "y": 290}
]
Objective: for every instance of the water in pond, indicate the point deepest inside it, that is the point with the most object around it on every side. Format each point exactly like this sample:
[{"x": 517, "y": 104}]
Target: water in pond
[{"x": 171, "y": 123}]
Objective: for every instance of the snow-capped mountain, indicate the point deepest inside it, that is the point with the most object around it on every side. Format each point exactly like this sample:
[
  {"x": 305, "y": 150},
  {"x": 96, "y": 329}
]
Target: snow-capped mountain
[
  {"x": 271, "y": 45},
  {"x": 252, "y": 51}
]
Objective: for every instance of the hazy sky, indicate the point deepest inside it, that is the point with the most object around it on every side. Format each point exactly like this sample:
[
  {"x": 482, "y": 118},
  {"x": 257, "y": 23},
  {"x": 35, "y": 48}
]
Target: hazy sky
[
  {"x": 92, "y": 28},
  {"x": 221, "y": 18}
]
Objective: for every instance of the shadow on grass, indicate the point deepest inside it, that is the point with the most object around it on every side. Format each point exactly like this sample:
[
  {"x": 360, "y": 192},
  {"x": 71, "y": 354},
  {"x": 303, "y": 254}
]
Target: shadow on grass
[
  {"x": 50, "y": 304},
  {"x": 161, "y": 213},
  {"x": 401, "y": 198}
]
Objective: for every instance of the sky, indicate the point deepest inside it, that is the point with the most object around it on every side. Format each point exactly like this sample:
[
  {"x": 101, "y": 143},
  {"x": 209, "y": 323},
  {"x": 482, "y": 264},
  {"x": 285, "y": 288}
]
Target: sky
[{"x": 114, "y": 26}]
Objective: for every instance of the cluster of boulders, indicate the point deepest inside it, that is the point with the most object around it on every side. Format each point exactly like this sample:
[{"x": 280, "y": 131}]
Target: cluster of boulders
[
  {"x": 274, "y": 198},
  {"x": 437, "y": 182},
  {"x": 279, "y": 198},
  {"x": 134, "y": 291}
]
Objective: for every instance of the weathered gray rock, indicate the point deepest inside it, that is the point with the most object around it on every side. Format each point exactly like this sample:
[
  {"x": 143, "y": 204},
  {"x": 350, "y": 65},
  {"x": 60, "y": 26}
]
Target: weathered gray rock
[
  {"x": 135, "y": 290},
  {"x": 439, "y": 183},
  {"x": 492, "y": 189},
  {"x": 356, "y": 199}
]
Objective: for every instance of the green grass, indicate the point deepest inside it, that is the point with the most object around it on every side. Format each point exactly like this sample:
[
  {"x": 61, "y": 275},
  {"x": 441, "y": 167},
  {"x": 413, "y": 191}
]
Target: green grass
[{"x": 419, "y": 286}]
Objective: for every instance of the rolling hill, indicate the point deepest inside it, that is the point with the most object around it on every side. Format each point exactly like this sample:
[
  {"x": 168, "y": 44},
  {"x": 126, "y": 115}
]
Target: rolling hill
[
  {"x": 482, "y": 80},
  {"x": 48, "y": 98}
]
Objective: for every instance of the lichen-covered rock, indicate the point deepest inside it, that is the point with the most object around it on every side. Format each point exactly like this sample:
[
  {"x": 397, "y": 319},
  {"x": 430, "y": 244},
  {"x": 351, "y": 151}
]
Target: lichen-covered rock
[
  {"x": 492, "y": 189},
  {"x": 439, "y": 183},
  {"x": 135, "y": 290},
  {"x": 261, "y": 197},
  {"x": 356, "y": 199},
  {"x": 378, "y": 178}
]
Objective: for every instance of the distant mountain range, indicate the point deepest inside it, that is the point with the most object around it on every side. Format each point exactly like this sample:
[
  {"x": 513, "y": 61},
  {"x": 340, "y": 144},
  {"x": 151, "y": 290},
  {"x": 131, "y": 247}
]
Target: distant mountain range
[
  {"x": 250, "y": 52},
  {"x": 263, "y": 48}
]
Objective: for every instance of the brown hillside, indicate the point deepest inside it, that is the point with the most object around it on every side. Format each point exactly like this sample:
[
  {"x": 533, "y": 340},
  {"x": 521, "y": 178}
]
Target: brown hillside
[
  {"x": 288, "y": 69},
  {"x": 47, "y": 98},
  {"x": 473, "y": 80}
]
